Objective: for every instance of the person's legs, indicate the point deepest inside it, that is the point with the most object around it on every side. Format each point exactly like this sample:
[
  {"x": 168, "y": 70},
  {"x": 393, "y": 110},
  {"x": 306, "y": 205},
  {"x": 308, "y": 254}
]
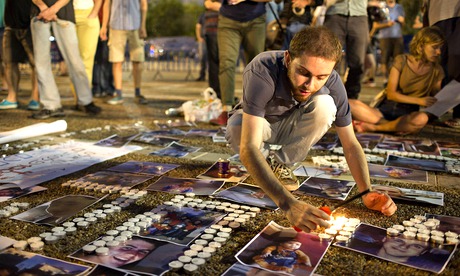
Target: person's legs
[
  {"x": 229, "y": 39},
  {"x": 88, "y": 33},
  {"x": 137, "y": 55},
  {"x": 357, "y": 40},
  {"x": 25, "y": 38},
  {"x": 66, "y": 37},
  {"x": 11, "y": 70},
  {"x": 49, "y": 94},
  {"x": 254, "y": 38},
  {"x": 117, "y": 43},
  {"x": 410, "y": 123},
  {"x": 213, "y": 63},
  {"x": 364, "y": 113},
  {"x": 384, "y": 57}
]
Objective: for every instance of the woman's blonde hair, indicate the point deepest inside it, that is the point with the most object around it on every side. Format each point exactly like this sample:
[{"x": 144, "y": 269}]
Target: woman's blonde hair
[{"x": 428, "y": 35}]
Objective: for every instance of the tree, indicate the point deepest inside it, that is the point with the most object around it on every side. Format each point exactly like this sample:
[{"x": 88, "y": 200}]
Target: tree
[{"x": 172, "y": 18}]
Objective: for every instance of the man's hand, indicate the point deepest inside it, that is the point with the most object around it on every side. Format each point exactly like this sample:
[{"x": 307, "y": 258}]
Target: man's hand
[
  {"x": 47, "y": 15},
  {"x": 103, "y": 33},
  {"x": 381, "y": 202},
  {"x": 306, "y": 217},
  {"x": 142, "y": 32}
]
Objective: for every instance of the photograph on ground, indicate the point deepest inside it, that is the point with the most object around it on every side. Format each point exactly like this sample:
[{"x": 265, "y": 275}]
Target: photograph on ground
[
  {"x": 327, "y": 188},
  {"x": 376, "y": 170},
  {"x": 58, "y": 210},
  {"x": 176, "y": 185},
  {"x": 234, "y": 173},
  {"x": 15, "y": 262},
  {"x": 175, "y": 150},
  {"x": 137, "y": 255},
  {"x": 122, "y": 179},
  {"x": 414, "y": 163},
  {"x": 374, "y": 241},
  {"x": 138, "y": 167},
  {"x": 283, "y": 250},
  {"x": 181, "y": 225},
  {"x": 411, "y": 195},
  {"x": 247, "y": 194}
]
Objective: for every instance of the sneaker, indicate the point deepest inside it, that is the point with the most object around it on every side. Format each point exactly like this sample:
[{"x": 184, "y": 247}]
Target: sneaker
[
  {"x": 92, "y": 109},
  {"x": 47, "y": 113},
  {"x": 115, "y": 100},
  {"x": 370, "y": 83},
  {"x": 33, "y": 105},
  {"x": 142, "y": 100},
  {"x": 284, "y": 174},
  {"x": 221, "y": 120},
  {"x": 8, "y": 105}
]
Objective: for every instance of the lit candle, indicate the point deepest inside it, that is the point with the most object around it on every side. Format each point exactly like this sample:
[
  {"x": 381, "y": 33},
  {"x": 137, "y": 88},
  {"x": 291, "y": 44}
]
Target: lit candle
[
  {"x": 423, "y": 237},
  {"x": 185, "y": 259},
  {"x": 20, "y": 245},
  {"x": 409, "y": 235},
  {"x": 392, "y": 232}
]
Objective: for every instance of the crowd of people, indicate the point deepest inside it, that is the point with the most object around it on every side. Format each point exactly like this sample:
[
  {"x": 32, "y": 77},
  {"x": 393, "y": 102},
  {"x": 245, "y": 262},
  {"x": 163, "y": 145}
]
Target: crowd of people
[{"x": 291, "y": 97}]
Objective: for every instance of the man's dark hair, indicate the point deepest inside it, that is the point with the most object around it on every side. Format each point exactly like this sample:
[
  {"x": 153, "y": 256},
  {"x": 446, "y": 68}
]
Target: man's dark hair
[{"x": 316, "y": 42}]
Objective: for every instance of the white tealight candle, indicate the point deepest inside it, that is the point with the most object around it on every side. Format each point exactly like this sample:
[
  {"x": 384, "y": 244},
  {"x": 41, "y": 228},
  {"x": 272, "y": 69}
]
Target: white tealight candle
[
  {"x": 430, "y": 224},
  {"x": 196, "y": 247},
  {"x": 201, "y": 242},
  {"x": 398, "y": 227},
  {"x": 437, "y": 239},
  {"x": 102, "y": 251},
  {"x": 190, "y": 268},
  {"x": 33, "y": 240},
  {"x": 437, "y": 233},
  {"x": 340, "y": 238},
  {"x": 423, "y": 237},
  {"x": 408, "y": 223},
  {"x": 412, "y": 229},
  {"x": 185, "y": 259},
  {"x": 99, "y": 243},
  {"x": 89, "y": 249},
  {"x": 20, "y": 245},
  {"x": 175, "y": 265},
  {"x": 190, "y": 253},
  {"x": 198, "y": 261},
  {"x": 451, "y": 240},
  {"x": 409, "y": 235},
  {"x": 324, "y": 237},
  {"x": 210, "y": 250},
  {"x": 450, "y": 234},
  {"x": 392, "y": 232},
  {"x": 37, "y": 246},
  {"x": 331, "y": 232},
  {"x": 204, "y": 255},
  {"x": 113, "y": 243}
]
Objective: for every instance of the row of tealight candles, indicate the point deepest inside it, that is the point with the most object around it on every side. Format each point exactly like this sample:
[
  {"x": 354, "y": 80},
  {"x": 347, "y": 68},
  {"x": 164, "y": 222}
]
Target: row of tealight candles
[
  {"x": 340, "y": 228},
  {"x": 71, "y": 227},
  {"x": 13, "y": 208},
  {"x": 424, "y": 229}
]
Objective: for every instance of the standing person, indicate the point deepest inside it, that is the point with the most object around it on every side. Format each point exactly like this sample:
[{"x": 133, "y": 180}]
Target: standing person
[
  {"x": 240, "y": 23},
  {"x": 17, "y": 44},
  {"x": 211, "y": 16},
  {"x": 59, "y": 15},
  {"x": 445, "y": 14},
  {"x": 390, "y": 36},
  {"x": 348, "y": 20},
  {"x": 126, "y": 20},
  {"x": 88, "y": 27},
  {"x": 291, "y": 98},
  {"x": 102, "y": 83}
]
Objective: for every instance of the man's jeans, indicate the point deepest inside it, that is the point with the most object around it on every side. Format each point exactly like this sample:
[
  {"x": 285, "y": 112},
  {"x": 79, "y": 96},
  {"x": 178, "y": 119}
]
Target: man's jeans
[{"x": 66, "y": 37}]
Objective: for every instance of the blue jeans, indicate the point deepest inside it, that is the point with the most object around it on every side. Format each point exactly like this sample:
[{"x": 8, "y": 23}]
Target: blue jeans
[{"x": 66, "y": 37}]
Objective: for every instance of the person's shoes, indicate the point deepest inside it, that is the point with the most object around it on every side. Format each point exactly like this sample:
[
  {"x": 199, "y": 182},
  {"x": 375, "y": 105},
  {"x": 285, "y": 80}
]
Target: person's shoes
[
  {"x": 454, "y": 122},
  {"x": 284, "y": 174},
  {"x": 33, "y": 105},
  {"x": 92, "y": 109},
  {"x": 370, "y": 83},
  {"x": 8, "y": 105},
  {"x": 47, "y": 113},
  {"x": 142, "y": 100},
  {"x": 221, "y": 120},
  {"x": 115, "y": 100}
]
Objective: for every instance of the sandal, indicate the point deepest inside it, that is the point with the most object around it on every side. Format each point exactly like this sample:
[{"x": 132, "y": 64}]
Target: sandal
[{"x": 454, "y": 122}]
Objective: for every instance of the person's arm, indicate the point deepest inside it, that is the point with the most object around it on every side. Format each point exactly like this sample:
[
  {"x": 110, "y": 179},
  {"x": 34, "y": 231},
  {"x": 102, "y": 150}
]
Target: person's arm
[
  {"x": 143, "y": 29},
  {"x": 95, "y": 11},
  {"x": 394, "y": 95},
  {"x": 212, "y": 5},
  {"x": 105, "y": 19},
  {"x": 49, "y": 13},
  {"x": 357, "y": 163},
  {"x": 198, "y": 28},
  {"x": 300, "y": 214}
]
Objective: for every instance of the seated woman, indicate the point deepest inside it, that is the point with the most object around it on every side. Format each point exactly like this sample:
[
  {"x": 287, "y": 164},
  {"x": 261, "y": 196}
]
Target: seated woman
[{"x": 413, "y": 81}]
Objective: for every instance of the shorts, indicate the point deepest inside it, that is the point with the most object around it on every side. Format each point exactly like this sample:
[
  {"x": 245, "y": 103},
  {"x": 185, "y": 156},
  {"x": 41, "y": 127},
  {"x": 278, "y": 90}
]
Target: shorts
[
  {"x": 392, "y": 110},
  {"x": 117, "y": 45},
  {"x": 18, "y": 46}
]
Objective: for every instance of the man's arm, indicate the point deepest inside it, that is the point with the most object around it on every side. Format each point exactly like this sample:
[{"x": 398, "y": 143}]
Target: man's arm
[
  {"x": 49, "y": 13},
  {"x": 105, "y": 19},
  {"x": 300, "y": 214},
  {"x": 357, "y": 163},
  {"x": 143, "y": 29}
]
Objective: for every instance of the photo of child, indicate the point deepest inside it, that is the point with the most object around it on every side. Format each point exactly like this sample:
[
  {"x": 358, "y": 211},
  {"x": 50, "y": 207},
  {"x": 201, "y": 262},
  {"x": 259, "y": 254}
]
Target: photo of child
[
  {"x": 283, "y": 256},
  {"x": 283, "y": 250}
]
